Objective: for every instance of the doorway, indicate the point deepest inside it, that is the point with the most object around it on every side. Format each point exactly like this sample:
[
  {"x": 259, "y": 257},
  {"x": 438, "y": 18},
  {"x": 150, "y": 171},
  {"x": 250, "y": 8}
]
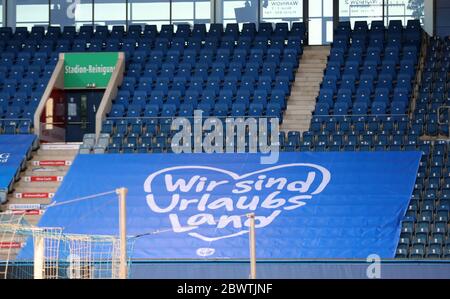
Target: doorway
[{"x": 82, "y": 106}]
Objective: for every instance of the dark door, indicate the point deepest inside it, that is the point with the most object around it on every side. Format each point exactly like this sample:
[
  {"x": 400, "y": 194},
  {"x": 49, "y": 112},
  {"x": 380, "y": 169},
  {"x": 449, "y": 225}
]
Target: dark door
[{"x": 81, "y": 109}]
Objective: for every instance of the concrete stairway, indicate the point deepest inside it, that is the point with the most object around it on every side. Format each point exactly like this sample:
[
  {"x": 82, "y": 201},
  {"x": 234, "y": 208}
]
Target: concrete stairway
[
  {"x": 40, "y": 181},
  {"x": 305, "y": 88}
]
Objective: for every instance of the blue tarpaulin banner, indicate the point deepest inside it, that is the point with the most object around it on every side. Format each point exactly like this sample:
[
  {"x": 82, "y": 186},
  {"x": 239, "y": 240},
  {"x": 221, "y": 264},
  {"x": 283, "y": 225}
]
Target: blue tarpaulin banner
[
  {"x": 308, "y": 205},
  {"x": 13, "y": 150}
]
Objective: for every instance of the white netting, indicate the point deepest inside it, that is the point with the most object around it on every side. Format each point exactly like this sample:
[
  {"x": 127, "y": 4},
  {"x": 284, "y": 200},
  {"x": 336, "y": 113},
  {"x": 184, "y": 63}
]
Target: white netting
[
  {"x": 10, "y": 241},
  {"x": 56, "y": 254},
  {"x": 46, "y": 242},
  {"x": 88, "y": 262},
  {"x": 28, "y": 251}
]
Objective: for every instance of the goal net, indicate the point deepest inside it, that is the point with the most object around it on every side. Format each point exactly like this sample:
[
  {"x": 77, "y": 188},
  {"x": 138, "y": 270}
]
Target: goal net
[
  {"x": 28, "y": 251},
  {"x": 58, "y": 254}
]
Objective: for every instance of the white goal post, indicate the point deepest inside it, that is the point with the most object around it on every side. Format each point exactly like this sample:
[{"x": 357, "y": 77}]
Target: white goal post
[
  {"x": 64, "y": 255},
  {"x": 56, "y": 254},
  {"x": 123, "y": 270},
  {"x": 252, "y": 242}
]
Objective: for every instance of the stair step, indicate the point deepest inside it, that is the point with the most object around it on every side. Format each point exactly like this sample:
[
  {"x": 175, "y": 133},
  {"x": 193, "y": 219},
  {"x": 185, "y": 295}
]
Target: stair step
[
  {"x": 301, "y": 123},
  {"x": 299, "y": 112},
  {"x": 303, "y": 117},
  {"x": 42, "y": 178},
  {"x": 23, "y": 186},
  {"x": 53, "y": 163},
  {"x": 311, "y": 88},
  {"x": 61, "y": 146},
  {"x": 33, "y": 195},
  {"x": 299, "y": 93},
  {"x": 308, "y": 59},
  {"x": 25, "y": 207},
  {"x": 315, "y": 78},
  {"x": 311, "y": 71},
  {"x": 312, "y": 81},
  {"x": 38, "y": 171},
  {"x": 300, "y": 105},
  {"x": 306, "y": 84},
  {"x": 52, "y": 153},
  {"x": 293, "y": 120},
  {"x": 303, "y": 97},
  {"x": 13, "y": 200},
  {"x": 298, "y": 89},
  {"x": 316, "y": 51},
  {"x": 295, "y": 127},
  {"x": 314, "y": 63},
  {"x": 305, "y": 88},
  {"x": 44, "y": 169},
  {"x": 297, "y": 96},
  {"x": 313, "y": 67},
  {"x": 20, "y": 203},
  {"x": 301, "y": 130}
]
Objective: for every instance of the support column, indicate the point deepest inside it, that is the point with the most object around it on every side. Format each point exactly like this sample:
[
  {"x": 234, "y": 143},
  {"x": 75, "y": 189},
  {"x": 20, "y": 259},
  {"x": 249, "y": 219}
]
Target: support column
[
  {"x": 3, "y": 12},
  {"x": 306, "y": 18},
  {"x": 9, "y": 9},
  {"x": 216, "y": 11},
  {"x": 39, "y": 256},
  {"x": 123, "y": 267},
  {"x": 335, "y": 14},
  {"x": 429, "y": 24},
  {"x": 252, "y": 241}
]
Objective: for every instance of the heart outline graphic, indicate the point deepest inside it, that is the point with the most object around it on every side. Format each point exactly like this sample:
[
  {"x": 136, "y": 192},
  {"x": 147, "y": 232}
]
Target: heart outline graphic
[{"x": 326, "y": 177}]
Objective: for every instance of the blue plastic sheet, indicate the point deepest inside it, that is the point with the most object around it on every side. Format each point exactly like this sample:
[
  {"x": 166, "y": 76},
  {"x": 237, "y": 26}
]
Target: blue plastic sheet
[
  {"x": 308, "y": 205},
  {"x": 13, "y": 151}
]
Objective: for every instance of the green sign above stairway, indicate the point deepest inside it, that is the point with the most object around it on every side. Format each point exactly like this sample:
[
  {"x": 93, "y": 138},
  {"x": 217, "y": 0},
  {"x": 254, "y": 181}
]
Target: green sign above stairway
[{"x": 88, "y": 70}]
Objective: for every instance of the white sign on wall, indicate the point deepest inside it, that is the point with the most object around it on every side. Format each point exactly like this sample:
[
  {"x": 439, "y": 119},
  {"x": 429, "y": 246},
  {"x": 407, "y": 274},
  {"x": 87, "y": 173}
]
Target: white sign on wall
[{"x": 283, "y": 9}]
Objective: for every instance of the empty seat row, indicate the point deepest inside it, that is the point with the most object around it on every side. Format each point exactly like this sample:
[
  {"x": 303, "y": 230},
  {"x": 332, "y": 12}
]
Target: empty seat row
[{"x": 151, "y": 31}]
